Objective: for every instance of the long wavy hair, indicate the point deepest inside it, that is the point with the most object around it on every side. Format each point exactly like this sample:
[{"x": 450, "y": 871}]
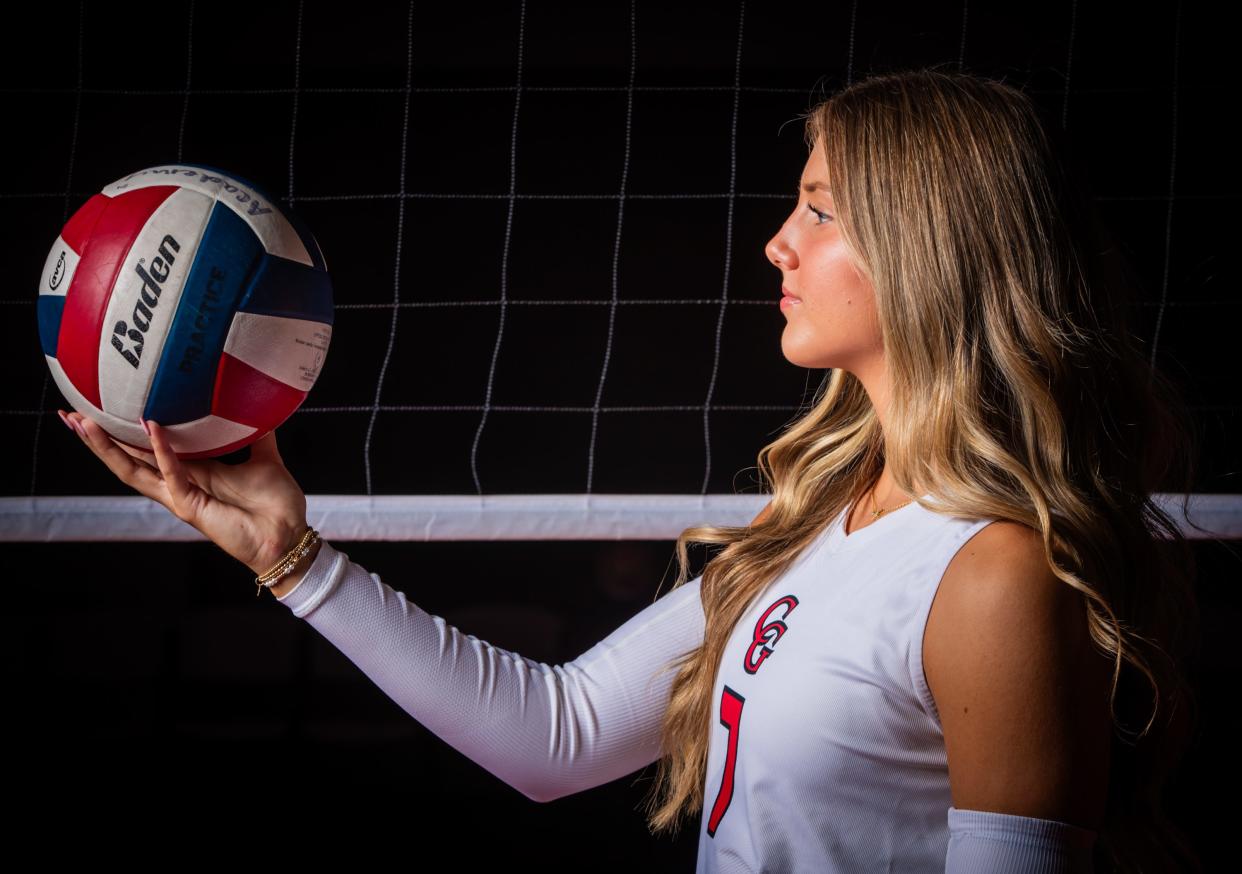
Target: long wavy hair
[{"x": 1017, "y": 392}]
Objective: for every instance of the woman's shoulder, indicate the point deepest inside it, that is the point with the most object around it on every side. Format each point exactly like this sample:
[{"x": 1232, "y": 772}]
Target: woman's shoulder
[
  {"x": 1004, "y": 540},
  {"x": 1002, "y": 555},
  {"x": 999, "y": 580}
]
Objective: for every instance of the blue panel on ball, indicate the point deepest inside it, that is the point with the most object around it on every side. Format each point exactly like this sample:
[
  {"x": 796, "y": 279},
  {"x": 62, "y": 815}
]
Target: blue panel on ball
[
  {"x": 51, "y": 308},
  {"x": 223, "y": 268},
  {"x": 290, "y": 289},
  {"x": 295, "y": 220}
]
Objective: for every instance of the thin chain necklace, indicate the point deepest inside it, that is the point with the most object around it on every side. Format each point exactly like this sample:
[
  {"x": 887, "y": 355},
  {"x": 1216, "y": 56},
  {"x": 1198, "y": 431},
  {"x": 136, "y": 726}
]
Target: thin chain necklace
[{"x": 875, "y": 514}]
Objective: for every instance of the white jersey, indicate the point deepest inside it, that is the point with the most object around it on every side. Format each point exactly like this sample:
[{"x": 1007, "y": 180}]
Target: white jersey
[{"x": 827, "y": 754}]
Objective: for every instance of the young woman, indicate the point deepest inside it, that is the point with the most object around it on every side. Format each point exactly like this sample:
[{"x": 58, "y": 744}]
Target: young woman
[{"x": 930, "y": 650}]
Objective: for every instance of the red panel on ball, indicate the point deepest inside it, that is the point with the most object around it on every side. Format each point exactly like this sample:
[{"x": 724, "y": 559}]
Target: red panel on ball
[
  {"x": 225, "y": 449},
  {"x": 109, "y": 226},
  {"x": 251, "y": 397},
  {"x": 82, "y": 223}
]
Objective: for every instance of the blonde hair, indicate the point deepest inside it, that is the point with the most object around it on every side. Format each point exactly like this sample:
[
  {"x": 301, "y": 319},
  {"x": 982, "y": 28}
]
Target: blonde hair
[{"x": 1017, "y": 392}]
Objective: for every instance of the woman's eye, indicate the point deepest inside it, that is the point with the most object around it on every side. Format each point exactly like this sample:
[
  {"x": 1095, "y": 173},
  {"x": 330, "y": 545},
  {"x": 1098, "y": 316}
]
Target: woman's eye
[{"x": 822, "y": 215}]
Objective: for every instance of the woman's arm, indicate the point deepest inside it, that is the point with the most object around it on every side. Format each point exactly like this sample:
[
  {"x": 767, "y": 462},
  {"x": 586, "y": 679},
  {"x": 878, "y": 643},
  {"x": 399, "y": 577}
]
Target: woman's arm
[
  {"x": 546, "y": 730},
  {"x": 1023, "y": 701}
]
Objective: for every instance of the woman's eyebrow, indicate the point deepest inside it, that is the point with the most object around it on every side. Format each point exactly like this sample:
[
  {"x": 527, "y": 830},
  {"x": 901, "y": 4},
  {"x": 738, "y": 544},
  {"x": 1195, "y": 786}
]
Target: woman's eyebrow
[{"x": 809, "y": 187}]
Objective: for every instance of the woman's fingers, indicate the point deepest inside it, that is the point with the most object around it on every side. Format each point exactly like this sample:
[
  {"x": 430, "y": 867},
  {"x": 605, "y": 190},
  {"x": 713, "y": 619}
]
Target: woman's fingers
[
  {"x": 185, "y": 496},
  {"x": 265, "y": 448},
  {"x": 131, "y": 471},
  {"x": 179, "y": 487},
  {"x": 147, "y": 458}
]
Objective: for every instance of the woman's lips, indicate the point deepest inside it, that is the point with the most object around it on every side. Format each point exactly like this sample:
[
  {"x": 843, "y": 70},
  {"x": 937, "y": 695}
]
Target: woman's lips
[{"x": 788, "y": 300}]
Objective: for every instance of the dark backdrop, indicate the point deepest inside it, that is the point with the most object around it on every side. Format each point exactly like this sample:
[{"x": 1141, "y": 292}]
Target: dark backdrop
[{"x": 609, "y": 171}]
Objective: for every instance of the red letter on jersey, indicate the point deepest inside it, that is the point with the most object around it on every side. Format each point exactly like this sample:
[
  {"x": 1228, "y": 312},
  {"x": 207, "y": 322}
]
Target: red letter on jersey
[{"x": 768, "y": 633}]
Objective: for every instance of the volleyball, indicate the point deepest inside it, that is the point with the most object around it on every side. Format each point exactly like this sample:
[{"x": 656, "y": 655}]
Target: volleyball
[{"x": 185, "y": 295}]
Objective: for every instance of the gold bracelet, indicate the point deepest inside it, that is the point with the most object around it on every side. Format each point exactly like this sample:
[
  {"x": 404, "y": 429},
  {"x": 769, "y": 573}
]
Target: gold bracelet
[{"x": 285, "y": 566}]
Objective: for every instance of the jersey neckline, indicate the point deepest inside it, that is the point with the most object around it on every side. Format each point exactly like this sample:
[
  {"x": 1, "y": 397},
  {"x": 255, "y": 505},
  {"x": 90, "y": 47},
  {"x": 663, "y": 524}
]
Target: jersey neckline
[{"x": 838, "y": 540}]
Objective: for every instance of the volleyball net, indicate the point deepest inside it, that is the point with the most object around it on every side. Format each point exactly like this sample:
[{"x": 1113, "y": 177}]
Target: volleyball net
[{"x": 554, "y": 318}]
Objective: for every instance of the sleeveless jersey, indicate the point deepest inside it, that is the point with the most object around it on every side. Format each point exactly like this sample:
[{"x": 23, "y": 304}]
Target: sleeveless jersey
[{"x": 828, "y": 754}]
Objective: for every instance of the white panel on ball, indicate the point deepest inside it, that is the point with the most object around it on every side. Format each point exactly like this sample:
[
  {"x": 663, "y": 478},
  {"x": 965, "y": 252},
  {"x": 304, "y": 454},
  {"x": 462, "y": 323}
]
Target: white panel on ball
[
  {"x": 58, "y": 269},
  {"x": 277, "y": 235},
  {"x": 123, "y": 388},
  {"x": 290, "y": 350}
]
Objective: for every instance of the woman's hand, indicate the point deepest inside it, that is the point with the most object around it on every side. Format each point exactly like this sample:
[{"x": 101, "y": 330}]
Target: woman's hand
[{"x": 254, "y": 511}]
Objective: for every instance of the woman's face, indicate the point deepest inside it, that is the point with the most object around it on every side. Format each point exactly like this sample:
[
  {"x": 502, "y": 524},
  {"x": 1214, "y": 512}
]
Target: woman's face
[{"x": 831, "y": 322}]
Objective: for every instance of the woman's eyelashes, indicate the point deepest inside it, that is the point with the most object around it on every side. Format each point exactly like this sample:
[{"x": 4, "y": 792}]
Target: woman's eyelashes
[{"x": 822, "y": 215}]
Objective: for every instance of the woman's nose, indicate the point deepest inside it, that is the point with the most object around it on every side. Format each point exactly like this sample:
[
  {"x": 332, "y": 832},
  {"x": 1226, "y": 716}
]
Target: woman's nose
[{"x": 779, "y": 253}]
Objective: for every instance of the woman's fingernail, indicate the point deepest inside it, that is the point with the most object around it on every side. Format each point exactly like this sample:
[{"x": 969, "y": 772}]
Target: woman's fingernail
[
  {"x": 80, "y": 429},
  {"x": 143, "y": 422}
]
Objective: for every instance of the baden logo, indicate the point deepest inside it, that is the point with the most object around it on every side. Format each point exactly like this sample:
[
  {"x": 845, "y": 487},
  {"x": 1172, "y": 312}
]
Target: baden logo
[{"x": 148, "y": 298}]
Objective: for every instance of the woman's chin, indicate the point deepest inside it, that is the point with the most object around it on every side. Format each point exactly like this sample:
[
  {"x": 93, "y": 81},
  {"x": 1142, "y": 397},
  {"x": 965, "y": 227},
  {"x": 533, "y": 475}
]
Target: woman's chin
[{"x": 800, "y": 357}]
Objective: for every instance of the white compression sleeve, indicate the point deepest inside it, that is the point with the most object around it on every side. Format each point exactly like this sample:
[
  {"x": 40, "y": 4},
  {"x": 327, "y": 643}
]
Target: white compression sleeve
[
  {"x": 547, "y": 731},
  {"x": 983, "y": 841}
]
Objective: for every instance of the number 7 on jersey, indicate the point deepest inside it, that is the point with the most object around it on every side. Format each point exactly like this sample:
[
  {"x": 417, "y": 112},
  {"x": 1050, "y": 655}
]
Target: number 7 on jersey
[{"x": 730, "y": 717}]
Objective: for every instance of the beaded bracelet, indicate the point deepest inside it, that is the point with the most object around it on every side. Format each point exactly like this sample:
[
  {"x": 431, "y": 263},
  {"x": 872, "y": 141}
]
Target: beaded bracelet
[{"x": 285, "y": 566}]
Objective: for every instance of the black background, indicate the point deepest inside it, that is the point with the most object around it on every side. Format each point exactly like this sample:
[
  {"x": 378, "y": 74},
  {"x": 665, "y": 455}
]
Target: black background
[{"x": 150, "y": 671}]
